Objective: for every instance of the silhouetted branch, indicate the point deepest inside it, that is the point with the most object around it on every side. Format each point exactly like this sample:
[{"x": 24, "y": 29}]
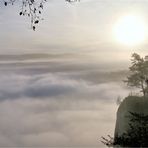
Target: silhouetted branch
[
  {"x": 32, "y": 9},
  {"x": 108, "y": 141}
]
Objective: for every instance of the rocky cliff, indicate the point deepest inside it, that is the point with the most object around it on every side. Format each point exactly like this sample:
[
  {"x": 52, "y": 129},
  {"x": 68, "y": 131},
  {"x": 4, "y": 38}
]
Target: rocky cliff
[{"x": 133, "y": 104}]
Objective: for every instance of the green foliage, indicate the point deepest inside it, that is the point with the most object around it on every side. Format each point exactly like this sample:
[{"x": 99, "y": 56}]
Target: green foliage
[
  {"x": 138, "y": 74},
  {"x": 137, "y": 134}
]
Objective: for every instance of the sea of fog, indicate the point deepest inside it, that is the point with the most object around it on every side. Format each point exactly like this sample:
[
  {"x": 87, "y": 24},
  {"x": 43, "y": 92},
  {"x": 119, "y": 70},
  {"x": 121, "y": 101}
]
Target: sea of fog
[{"x": 58, "y": 100}]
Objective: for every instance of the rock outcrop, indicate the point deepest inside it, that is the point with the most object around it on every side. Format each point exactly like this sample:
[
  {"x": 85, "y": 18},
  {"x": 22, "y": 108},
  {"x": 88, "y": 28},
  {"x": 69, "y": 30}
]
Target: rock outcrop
[{"x": 132, "y": 104}]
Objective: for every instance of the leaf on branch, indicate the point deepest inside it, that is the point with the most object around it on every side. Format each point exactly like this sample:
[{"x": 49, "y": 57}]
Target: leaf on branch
[
  {"x": 5, "y": 3},
  {"x": 33, "y": 27},
  {"x": 32, "y": 9},
  {"x": 37, "y": 21},
  {"x": 21, "y": 13}
]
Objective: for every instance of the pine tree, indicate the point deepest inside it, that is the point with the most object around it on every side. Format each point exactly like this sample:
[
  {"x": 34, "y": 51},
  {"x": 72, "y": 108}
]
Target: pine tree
[
  {"x": 137, "y": 134},
  {"x": 138, "y": 74}
]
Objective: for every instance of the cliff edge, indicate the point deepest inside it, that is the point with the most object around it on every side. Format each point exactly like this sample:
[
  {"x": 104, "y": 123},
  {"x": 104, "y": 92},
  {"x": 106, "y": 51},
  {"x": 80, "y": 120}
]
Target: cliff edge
[{"x": 132, "y": 104}]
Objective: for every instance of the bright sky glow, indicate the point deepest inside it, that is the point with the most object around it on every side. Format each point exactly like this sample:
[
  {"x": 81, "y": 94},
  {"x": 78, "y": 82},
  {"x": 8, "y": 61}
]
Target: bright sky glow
[{"x": 130, "y": 30}]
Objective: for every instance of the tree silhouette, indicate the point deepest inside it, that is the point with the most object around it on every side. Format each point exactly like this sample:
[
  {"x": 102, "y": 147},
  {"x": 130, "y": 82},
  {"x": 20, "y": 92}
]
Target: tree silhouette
[
  {"x": 135, "y": 136},
  {"x": 138, "y": 74},
  {"x": 32, "y": 9}
]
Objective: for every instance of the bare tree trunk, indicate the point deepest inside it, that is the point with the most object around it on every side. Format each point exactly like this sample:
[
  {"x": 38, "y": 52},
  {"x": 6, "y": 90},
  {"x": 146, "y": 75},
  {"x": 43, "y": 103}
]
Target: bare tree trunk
[{"x": 143, "y": 89}]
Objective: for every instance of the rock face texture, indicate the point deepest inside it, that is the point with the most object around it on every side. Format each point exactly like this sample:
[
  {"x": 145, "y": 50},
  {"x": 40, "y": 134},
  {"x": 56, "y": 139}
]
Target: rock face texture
[{"x": 133, "y": 104}]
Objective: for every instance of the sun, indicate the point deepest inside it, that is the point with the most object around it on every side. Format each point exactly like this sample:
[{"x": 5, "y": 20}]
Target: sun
[{"x": 130, "y": 30}]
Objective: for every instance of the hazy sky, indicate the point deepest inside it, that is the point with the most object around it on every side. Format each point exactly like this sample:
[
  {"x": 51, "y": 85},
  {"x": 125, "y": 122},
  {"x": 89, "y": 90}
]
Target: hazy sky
[
  {"x": 68, "y": 96},
  {"x": 87, "y": 25}
]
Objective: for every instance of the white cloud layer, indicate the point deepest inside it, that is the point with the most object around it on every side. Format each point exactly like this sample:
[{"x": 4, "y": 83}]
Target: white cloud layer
[{"x": 54, "y": 106}]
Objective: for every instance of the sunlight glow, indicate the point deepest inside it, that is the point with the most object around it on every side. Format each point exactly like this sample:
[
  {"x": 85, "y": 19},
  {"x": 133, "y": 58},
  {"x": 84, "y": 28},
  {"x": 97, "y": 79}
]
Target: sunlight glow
[{"x": 130, "y": 30}]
